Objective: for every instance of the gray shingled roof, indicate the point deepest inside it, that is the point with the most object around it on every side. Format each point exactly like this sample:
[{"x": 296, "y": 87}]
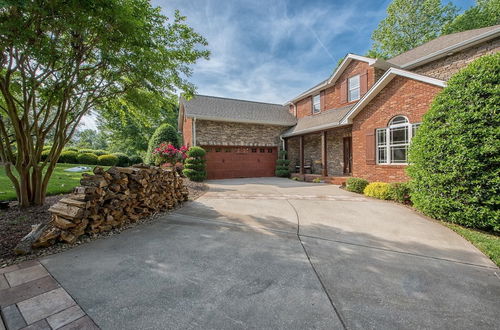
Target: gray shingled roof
[
  {"x": 325, "y": 120},
  {"x": 439, "y": 44},
  {"x": 219, "y": 108}
]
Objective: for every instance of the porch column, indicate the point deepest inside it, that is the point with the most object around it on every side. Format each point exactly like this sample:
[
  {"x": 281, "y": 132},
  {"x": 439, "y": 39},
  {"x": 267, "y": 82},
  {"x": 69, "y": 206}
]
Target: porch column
[
  {"x": 301, "y": 153},
  {"x": 324, "y": 161}
]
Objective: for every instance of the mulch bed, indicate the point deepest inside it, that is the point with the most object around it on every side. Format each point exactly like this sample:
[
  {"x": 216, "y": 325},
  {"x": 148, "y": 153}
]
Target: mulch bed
[{"x": 15, "y": 223}]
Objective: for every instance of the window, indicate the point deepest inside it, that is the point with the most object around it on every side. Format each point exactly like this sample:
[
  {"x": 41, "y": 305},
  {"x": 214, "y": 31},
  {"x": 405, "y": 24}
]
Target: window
[
  {"x": 316, "y": 104},
  {"x": 270, "y": 150},
  {"x": 353, "y": 88},
  {"x": 254, "y": 149},
  {"x": 393, "y": 141}
]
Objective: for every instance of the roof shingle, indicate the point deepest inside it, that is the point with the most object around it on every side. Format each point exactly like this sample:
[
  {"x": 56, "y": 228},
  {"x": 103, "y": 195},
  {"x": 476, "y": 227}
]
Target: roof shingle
[
  {"x": 325, "y": 120},
  {"x": 438, "y": 44},
  {"x": 219, "y": 108}
]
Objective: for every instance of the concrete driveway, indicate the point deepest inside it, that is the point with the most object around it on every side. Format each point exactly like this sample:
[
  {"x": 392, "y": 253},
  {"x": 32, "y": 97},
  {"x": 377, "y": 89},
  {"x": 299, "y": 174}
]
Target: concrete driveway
[{"x": 275, "y": 253}]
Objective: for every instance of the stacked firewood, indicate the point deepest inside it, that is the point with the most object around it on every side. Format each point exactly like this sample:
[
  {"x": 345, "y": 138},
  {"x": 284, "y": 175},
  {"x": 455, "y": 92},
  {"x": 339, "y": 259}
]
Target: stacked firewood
[{"x": 109, "y": 199}]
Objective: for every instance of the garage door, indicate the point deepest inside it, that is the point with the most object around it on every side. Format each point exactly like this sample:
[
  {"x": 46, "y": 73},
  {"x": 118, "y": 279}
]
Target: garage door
[{"x": 240, "y": 162}]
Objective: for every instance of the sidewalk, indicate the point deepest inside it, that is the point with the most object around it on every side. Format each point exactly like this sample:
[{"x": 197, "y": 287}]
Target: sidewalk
[{"x": 30, "y": 298}]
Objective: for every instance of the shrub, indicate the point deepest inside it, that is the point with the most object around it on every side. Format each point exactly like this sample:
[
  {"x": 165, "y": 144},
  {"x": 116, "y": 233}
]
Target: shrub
[
  {"x": 100, "y": 152},
  {"x": 164, "y": 133},
  {"x": 88, "y": 158},
  {"x": 282, "y": 169},
  {"x": 69, "y": 157},
  {"x": 44, "y": 155},
  {"x": 71, "y": 149},
  {"x": 135, "y": 160},
  {"x": 380, "y": 190},
  {"x": 194, "y": 166},
  {"x": 85, "y": 151},
  {"x": 107, "y": 160},
  {"x": 47, "y": 147},
  {"x": 356, "y": 185},
  {"x": 400, "y": 192},
  {"x": 454, "y": 156},
  {"x": 123, "y": 160},
  {"x": 317, "y": 180}
]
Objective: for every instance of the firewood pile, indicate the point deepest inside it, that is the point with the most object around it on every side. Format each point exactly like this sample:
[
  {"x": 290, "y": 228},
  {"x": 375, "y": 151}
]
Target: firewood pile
[{"x": 109, "y": 199}]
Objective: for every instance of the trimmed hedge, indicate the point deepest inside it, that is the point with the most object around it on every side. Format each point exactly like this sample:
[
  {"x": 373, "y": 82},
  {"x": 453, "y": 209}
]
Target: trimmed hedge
[
  {"x": 380, "y": 190},
  {"x": 123, "y": 160},
  {"x": 69, "y": 157},
  {"x": 356, "y": 185},
  {"x": 164, "y": 133},
  {"x": 282, "y": 169},
  {"x": 99, "y": 152},
  {"x": 44, "y": 155},
  {"x": 401, "y": 192},
  {"x": 194, "y": 167},
  {"x": 455, "y": 155},
  {"x": 71, "y": 149},
  {"x": 136, "y": 160},
  {"x": 86, "y": 151},
  {"x": 87, "y": 158},
  {"x": 107, "y": 160}
]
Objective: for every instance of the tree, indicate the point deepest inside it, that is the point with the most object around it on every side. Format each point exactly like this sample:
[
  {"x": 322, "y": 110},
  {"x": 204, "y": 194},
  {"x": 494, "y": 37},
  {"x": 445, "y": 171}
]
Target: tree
[
  {"x": 164, "y": 133},
  {"x": 130, "y": 121},
  {"x": 484, "y": 13},
  {"x": 455, "y": 154},
  {"x": 409, "y": 23},
  {"x": 90, "y": 139},
  {"x": 61, "y": 59}
]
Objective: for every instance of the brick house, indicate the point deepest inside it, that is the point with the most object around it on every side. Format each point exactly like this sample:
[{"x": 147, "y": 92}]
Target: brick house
[{"x": 357, "y": 122}]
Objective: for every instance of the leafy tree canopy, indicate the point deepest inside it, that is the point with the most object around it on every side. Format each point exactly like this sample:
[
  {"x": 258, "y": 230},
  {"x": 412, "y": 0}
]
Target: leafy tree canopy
[
  {"x": 63, "y": 58},
  {"x": 409, "y": 23},
  {"x": 130, "y": 121},
  {"x": 484, "y": 13}
]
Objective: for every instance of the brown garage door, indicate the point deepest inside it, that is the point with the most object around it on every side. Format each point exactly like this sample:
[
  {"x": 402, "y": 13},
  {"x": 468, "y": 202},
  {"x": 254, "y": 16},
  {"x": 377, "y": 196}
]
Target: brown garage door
[{"x": 240, "y": 162}]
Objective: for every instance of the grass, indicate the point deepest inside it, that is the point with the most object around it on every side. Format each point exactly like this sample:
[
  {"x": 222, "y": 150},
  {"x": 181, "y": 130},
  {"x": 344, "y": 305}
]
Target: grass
[
  {"x": 489, "y": 244},
  {"x": 61, "y": 182}
]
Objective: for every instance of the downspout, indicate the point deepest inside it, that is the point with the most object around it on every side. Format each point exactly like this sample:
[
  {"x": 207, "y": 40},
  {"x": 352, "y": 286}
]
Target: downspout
[{"x": 194, "y": 131}]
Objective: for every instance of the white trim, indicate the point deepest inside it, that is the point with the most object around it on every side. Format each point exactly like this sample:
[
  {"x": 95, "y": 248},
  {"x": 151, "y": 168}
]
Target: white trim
[
  {"x": 454, "y": 48},
  {"x": 380, "y": 84},
  {"x": 340, "y": 69},
  {"x": 243, "y": 121}
]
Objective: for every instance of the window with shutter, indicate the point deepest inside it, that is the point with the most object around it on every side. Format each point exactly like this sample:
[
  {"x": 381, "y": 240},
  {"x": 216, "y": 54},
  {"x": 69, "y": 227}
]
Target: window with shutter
[{"x": 343, "y": 92}]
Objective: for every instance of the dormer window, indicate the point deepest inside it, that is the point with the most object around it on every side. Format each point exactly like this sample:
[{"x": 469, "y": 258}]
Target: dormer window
[
  {"x": 316, "y": 104},
  {"x": 354, "y": 88}
]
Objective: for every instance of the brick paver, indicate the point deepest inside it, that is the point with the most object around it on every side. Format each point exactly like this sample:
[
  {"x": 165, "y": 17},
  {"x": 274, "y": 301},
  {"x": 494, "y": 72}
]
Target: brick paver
[{"x": 30, "y": 298}]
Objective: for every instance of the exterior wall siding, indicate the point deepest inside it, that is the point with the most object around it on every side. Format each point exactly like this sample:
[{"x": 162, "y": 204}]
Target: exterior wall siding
[
  {"x": 220, "y": 133},
  {"x": 335, "y": 150},
  {"x": 445, "y": 67},
  {"x": 402, "y": 96}
]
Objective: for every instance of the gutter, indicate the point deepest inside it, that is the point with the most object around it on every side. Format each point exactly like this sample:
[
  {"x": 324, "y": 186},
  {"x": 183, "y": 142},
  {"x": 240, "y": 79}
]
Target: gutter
[{"x": 314, "y": 129}]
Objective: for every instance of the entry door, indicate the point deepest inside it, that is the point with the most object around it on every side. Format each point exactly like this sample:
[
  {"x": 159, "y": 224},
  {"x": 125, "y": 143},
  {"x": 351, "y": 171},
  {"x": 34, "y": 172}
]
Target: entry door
[{"x": 347, "y": 155}]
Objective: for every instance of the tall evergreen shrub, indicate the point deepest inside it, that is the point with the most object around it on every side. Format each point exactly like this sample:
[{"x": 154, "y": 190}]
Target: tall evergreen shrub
[
  {"x": 164, "y": 133},
  {"x": 194, "y": 166}
]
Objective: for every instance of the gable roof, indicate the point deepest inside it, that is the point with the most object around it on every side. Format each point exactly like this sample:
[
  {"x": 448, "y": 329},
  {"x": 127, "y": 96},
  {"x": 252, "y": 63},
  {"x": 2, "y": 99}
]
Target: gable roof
[
  {"x": 338, "y": 72},
  {"x": 444, "y": 46},
  {"x": 380, "y": 84},
  {"x": 324, "y": 120},
  {"x": 233, "y": 110}
]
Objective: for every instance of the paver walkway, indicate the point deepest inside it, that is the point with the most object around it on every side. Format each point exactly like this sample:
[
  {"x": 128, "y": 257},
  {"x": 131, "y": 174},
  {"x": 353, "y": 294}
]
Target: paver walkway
[{"x": 30, "y": 298}]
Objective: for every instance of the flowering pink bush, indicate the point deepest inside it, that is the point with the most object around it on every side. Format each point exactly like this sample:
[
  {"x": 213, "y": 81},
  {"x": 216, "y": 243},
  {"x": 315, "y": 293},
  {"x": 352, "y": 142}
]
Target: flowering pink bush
[{"x": 169, "y": 155}]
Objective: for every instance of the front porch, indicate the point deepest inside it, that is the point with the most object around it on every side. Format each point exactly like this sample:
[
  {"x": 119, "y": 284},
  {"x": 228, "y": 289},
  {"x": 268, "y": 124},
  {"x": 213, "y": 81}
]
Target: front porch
[{"x": 326, "y": 155}]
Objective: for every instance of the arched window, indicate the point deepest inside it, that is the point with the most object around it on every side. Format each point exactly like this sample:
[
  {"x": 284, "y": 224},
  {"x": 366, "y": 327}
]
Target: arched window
[{"x": 394, "y": 140}]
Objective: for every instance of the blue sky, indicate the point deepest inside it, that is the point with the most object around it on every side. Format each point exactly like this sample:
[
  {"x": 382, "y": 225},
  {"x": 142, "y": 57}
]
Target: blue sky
[{"x": 272, "y": 50}]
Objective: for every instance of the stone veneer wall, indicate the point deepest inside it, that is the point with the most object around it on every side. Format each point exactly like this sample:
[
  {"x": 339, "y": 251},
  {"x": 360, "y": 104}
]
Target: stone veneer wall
[
  {"x": 312, "y": 151},
  {"x": 445, "y": 67},
  {"x": 220, "y": 133}
]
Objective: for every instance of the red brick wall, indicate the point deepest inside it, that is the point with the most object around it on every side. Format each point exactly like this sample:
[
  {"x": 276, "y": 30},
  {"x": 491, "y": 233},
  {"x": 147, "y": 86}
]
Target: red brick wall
[
  {"x": 187, "y": 132},
  {"x": 332, "y": 94},
  {"x": 402, "y": 96},
  {"x": 330, "y": 97}
]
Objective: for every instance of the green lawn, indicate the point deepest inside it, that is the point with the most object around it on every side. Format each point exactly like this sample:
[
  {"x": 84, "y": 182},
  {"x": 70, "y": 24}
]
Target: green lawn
[
  {"x": 489, "y": 244},
  {"x": 61, "y": 182}
]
